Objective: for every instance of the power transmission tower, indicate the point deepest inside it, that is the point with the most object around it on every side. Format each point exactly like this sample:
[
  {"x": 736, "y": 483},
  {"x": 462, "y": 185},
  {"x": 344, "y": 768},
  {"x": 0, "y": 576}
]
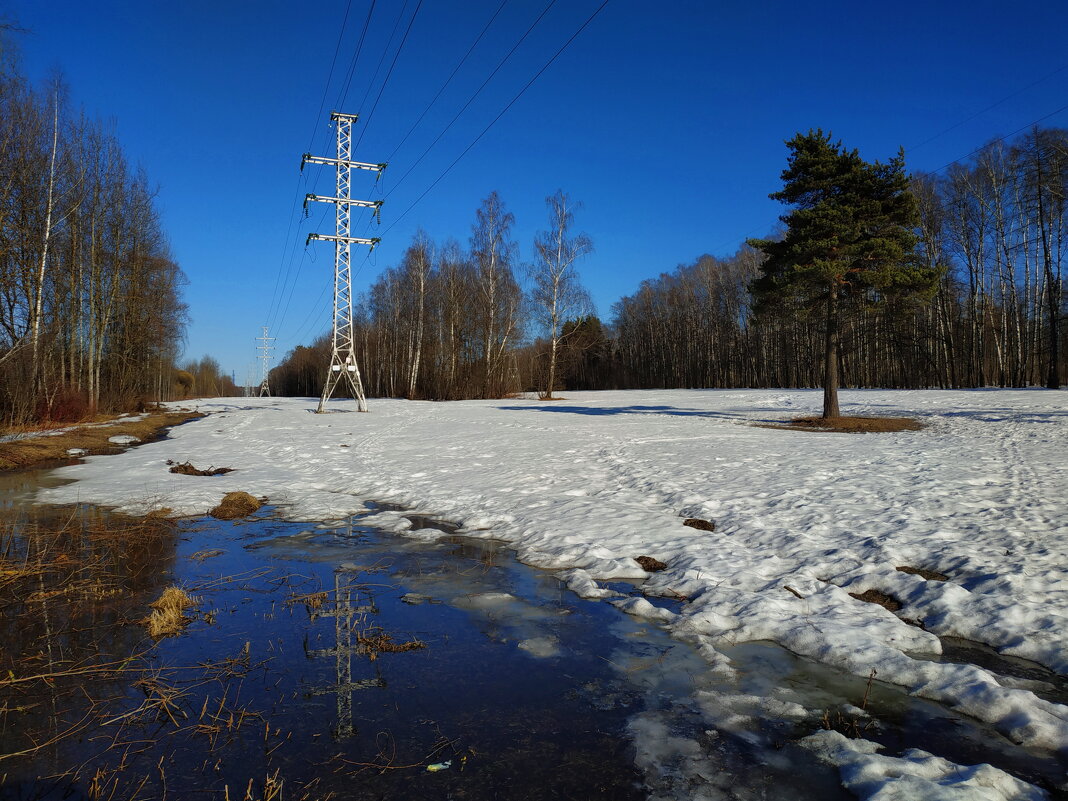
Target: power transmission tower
[
  {"x": 265, "y": 354},
  {"x": 343, "y": 353}
]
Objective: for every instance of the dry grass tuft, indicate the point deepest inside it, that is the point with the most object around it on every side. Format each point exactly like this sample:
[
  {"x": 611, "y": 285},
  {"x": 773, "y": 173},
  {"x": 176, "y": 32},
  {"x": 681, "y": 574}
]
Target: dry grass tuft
[
  {"x": 235, "y": 505},
  {"x": 93, "y": 438},
  {"x": 168, "y": 613},
  {"x": 848, "y": 425},
  {"x": 187, "y": 469},
  {"x": 930, "y": 575}
]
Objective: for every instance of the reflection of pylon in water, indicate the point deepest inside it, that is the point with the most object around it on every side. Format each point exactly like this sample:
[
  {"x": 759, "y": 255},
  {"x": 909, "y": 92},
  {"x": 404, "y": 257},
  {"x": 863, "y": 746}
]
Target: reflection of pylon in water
[{"x": 345, "y": 592}]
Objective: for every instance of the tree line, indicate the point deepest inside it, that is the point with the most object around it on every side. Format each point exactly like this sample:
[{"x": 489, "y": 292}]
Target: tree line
[
  {"x": 91, "y": 313},
  {"x": 952, "y": 280}
]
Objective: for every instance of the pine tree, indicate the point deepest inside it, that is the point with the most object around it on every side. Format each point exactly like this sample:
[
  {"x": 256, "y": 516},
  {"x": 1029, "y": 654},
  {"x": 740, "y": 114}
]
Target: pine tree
[{"x": 849, "y": 240}]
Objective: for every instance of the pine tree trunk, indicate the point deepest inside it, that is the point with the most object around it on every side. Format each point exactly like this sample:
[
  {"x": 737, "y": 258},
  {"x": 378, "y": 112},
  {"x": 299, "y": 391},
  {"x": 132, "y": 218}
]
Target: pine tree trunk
[{"x": 830, "y": 361}]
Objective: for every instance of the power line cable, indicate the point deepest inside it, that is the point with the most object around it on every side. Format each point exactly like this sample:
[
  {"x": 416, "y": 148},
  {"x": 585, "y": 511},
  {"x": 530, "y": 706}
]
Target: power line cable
[
  {"x": 503, "y": 111},
  {"x": 378, "y": 67},
  {"x": 950, "y": 163},
  {"x": 330, "y": 78},
  {"x": 478, "y": 91},
  {"x": 343, "y": 96},
  {"x": 385, "y": 82},
  {"x": 448, "y": 80},
  {"x": 449, "y": 125},
  {"x": 1000, "y": 139},
  {"x": 988, "y": 108},
  {"x": 344, "y": 93},
  {"x": 315, "y": 126},
  {"x": 382, "y": 89}
]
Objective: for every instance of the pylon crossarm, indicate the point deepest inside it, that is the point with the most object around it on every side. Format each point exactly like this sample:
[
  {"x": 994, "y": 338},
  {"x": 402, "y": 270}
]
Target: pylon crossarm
[
  {"x": 308, "y": 158},
  {"x": 365, "y": 204},
  {"x": 350, "y": 239}
]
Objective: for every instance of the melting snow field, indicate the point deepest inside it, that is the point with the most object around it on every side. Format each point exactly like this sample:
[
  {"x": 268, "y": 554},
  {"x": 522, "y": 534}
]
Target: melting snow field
[{"x": 585, "y": 485}]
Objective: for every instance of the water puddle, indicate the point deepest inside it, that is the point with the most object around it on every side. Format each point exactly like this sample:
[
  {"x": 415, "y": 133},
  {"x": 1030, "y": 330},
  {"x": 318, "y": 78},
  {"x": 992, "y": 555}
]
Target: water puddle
[{"x": 338, "y": 660}]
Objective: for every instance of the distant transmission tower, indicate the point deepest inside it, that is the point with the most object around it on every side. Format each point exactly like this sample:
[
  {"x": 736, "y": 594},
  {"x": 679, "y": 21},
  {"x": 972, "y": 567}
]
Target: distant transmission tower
[
  {"x": 343, "y": 354},
  {"x": 265, "y": 354}
]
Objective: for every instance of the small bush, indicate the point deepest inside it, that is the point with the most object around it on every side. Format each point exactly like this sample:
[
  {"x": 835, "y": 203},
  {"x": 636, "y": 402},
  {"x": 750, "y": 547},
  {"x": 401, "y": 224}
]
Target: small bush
[{"x": 68, "y": 405}]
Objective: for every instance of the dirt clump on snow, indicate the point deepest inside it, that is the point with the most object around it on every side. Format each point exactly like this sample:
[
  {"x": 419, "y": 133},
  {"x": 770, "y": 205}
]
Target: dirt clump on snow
[
  {"x": 848, "y": 425},
  {"x": 650, "y": 564},
  {"x": 876, "y": 597},
  {"x": 48, "y": 445},
  {"x": 929, "y": 575},
  {"x": 187, "y": 469},
  {"x": 698, "y": 523},
  {"x": 235, "y": 505},
  {"x": 168, "y": 616}
]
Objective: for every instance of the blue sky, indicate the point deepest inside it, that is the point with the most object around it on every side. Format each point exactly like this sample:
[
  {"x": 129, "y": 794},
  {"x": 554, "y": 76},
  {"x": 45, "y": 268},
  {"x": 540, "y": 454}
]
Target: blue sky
[{"x": 667, "y": 120}]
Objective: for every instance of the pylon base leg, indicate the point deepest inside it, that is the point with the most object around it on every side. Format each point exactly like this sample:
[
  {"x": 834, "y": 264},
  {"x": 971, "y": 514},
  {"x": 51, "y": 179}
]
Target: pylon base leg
[{"x": 351, "y": 377}]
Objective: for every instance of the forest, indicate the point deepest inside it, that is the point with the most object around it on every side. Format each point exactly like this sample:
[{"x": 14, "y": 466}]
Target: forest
[
  {"x": 91, "y": 313},
  {"x": 450, "y": 322}
]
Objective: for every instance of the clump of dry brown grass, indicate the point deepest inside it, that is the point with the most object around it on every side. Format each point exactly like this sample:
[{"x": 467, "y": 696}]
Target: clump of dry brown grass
[
  {"x": 187, "y": 469},
  {"x": 235, "y": 505},
  {"x": 848, "y": 425},
  {"x": 93, "y": 438},
  {"x": 168, "y": 616}
]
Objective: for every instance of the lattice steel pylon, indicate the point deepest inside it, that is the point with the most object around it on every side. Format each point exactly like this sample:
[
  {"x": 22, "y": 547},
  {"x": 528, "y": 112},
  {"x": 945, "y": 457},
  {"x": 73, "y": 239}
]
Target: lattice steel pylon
[
  {"x": 265, "y": 354},
  {"x": 343, "y": 355}
]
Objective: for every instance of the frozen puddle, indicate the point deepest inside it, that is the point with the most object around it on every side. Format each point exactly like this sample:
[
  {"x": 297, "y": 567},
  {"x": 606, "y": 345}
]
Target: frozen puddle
[{"x": 403, "y": 661}]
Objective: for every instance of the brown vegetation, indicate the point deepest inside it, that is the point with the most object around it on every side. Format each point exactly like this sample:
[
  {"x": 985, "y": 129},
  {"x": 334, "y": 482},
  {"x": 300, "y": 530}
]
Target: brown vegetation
[
  {"x": 848, "y": 425},
  {"x": 375, "y": 641},
  {"x": 930, "y": 575},
  {"x": 92, "y": 438},
  {"x": 187, "y": 469},
  {"x": 650, "y": 564},
  {"x": 168, "y": 616},
  {"x": 698, "y": 523},
  {"x": 235, "y": 505},
  {"x": 876, "y": 597}
]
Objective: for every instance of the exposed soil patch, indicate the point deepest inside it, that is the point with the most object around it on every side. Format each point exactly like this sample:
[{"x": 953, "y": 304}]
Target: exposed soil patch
[
  {"x": 187, "y": 469},
  {"x": 93, "y": 438},
  {"x": 848, "y": 425},
  {"x": 235, "y": 505},
  {"x": 930, "y": 575},
  {"x": 877, "y": 597},
  {"x": 650, "y": 564},
  {"x": 698, "y": 523}
]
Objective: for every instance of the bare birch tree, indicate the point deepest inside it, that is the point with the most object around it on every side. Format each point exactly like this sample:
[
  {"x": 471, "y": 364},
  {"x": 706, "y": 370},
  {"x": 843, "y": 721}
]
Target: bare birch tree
[{"x": 557, "y": 293}]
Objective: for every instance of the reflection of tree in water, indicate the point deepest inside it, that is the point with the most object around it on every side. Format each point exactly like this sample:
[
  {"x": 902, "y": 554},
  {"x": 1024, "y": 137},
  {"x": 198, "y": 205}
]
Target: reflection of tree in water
[
  {"x": 69, "y": 579},
  {"x": 352, "y": 603}
]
